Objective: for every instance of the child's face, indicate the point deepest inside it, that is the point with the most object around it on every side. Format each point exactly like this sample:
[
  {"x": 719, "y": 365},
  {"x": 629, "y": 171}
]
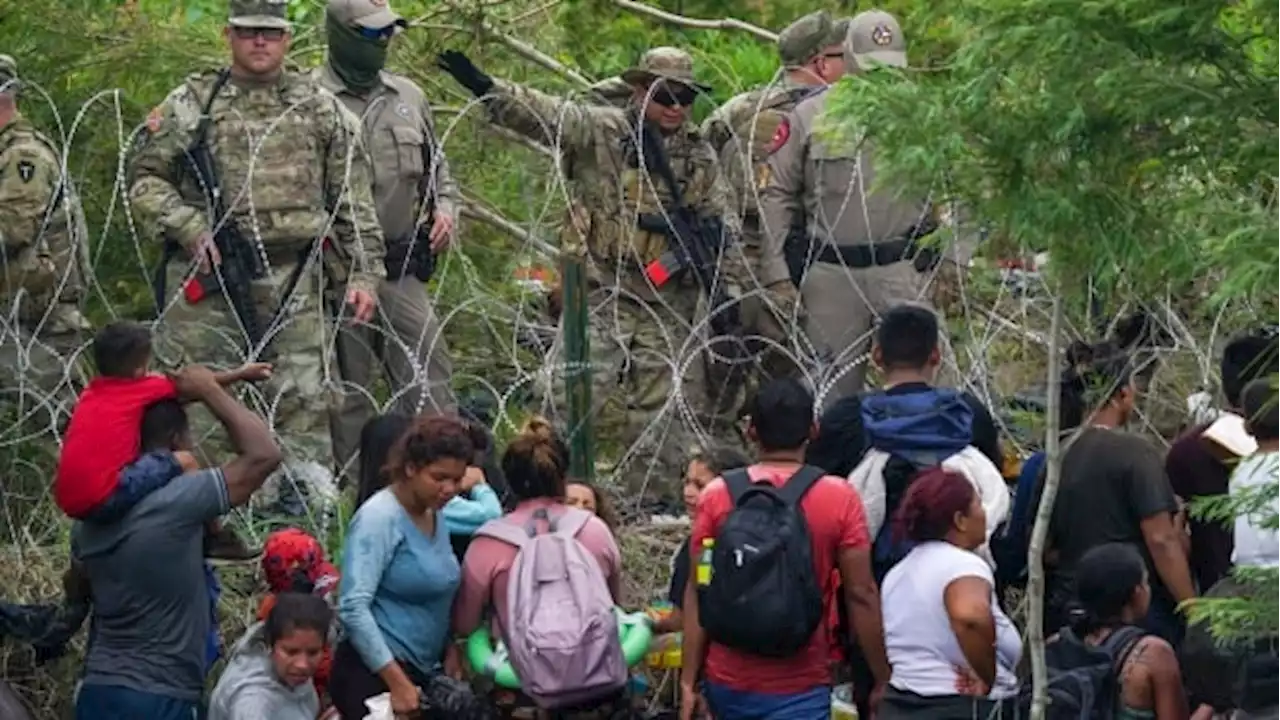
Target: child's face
[
  {"x": 696, "y": 476},
  {"x": 580, "y": 496}
]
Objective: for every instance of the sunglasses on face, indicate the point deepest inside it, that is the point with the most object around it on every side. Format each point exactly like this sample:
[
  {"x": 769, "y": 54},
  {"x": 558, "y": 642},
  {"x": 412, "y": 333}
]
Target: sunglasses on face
[
  {"x": 671, "y": 96},
  {"x": 382, "y": 33},
  {"x": 248, "y": 33}
]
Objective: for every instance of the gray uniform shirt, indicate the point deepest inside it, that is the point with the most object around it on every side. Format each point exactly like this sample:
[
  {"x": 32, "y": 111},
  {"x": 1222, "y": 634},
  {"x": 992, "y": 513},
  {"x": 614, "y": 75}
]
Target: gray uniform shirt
[
  {"x": 151, "y": 614},
  {"x": 832, "y": 184}
]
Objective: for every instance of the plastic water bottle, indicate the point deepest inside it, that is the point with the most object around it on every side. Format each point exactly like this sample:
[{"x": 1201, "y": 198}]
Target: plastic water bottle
[{"x": 704, "y": 562}]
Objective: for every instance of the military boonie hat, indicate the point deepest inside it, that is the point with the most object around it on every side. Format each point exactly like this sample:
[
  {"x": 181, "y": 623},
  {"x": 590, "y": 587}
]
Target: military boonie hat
[
  {"x": 8, "y": 73},
  {"x": 260, "y": 14},
  {"x": 875, "y": 39},
  {"x": 372, "y": 14},
  {"x": 802, "y": 39},
  {"x": 664, "y": 63}
]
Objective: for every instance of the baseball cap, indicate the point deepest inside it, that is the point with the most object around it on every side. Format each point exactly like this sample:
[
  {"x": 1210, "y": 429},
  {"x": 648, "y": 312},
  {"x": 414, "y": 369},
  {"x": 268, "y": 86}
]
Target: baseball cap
[
  {"x": 372, "y": 14},
  {"x": 803, "y": 38},
  {"x": 875, "y": 39},
  {"x": 260, "y": 14}
]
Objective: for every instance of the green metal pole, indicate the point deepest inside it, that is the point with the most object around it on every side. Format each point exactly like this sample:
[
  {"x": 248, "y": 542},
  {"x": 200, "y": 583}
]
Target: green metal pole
[{"x": 577, "y": 351}]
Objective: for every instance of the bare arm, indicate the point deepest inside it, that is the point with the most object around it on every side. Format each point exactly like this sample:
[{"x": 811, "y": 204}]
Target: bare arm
[
  {"x": 258, "y": 454},
  {"x": 862, "y": 597},
  {"x": 968, "y": 602},
  {"x": 1169, "y": 698},
  {"x": 694, "y": 649},
  {"x": 1165, "y": 544}
]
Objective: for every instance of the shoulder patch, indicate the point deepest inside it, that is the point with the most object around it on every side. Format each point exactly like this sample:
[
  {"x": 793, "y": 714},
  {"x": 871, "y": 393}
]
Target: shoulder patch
[
  {"x": 26, "y": 170},
  {"x": 155, "y": 119},
  {"x": 780, "y": 135}
]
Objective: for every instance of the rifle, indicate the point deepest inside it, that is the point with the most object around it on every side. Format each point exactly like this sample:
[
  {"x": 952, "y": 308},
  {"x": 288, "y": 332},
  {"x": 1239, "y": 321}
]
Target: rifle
[
  {"x": 243, "y": 261},
  {"x": 693, "y": 242}
]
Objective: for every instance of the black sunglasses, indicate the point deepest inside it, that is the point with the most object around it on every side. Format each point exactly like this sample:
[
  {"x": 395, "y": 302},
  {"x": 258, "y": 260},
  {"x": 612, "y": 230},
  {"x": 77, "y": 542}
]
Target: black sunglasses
[
  {"x": 249, "y": 33},
  {"x": 382, "y": 33},
  {"x": 671, "y": 96}
]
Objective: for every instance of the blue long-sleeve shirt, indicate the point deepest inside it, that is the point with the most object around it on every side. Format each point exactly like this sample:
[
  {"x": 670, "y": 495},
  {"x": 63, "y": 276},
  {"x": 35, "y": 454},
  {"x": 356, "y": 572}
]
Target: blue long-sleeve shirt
[
  {"x": 464, "y": 516},
  {"x": 397, "y": 586}
]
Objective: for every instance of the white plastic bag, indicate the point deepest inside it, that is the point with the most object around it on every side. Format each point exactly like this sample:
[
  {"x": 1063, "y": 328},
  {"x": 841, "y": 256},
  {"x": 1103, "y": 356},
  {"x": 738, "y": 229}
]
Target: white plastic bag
[{"x": 379, "y": 707}]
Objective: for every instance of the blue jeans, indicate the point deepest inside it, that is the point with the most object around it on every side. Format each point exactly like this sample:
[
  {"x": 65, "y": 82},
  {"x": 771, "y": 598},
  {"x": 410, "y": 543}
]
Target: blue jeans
[
  {"x": 150, "y": 472},
  {"x": 111, "y": 702},
  {"x": 729, "y": 704}
]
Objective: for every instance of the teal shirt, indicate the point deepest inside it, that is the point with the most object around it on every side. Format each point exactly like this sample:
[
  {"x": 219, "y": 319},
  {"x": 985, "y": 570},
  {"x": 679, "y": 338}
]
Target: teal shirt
[{"x": 397, "y": 586}]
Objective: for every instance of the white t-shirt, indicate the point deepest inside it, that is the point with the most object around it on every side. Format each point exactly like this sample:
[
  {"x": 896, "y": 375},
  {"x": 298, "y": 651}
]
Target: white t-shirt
[
  {"x": 1255, "y": 545},
  {"x": 923, "y": 650}
]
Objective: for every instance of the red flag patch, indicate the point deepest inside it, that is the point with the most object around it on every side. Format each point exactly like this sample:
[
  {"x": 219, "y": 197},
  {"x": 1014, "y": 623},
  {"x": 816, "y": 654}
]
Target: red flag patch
[{"x": 780, "y": 136}]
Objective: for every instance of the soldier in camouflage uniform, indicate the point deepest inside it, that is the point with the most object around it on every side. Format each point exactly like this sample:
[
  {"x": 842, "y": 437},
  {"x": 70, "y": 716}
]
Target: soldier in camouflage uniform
[
  {"x": 411, "y": 179},
  {"x": 647, "y": 354},
  {"x": 42, "y": 236},
  {"x": 294, "y": 176},
  {"x": 865, "y": 259},
  {"x": 744, "y": 131}
]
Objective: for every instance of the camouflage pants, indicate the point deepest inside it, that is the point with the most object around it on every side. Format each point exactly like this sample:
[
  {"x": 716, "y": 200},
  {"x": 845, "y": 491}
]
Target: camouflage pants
[
  {"x": 406, "y": 341},
  {"x": 42, "y": 369},
  {"x": 648, "y": 385},
  {"x": 296, "y": 400}
]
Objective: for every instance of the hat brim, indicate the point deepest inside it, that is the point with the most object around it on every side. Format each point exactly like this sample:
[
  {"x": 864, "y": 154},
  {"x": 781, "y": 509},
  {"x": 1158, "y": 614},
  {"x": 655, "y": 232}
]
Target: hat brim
[
  {"x": 880, "y": 58},
  {"x": 636, "y": 76},
  {"x": 384, "y": 17},
  {"x": 260, "y": 21}
]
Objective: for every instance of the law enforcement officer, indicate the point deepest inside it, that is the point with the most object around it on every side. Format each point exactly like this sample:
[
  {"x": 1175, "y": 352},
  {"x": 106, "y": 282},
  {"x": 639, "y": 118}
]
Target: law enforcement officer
[
  {"x": 42, "y": 236},
  {"x": 294, "y": 176},
  {"x": 417, "y": 205},
  {"x": 744, "y": 131},
  {"x": 864, "y": 260},
  {"x": 646, "y": 350}
]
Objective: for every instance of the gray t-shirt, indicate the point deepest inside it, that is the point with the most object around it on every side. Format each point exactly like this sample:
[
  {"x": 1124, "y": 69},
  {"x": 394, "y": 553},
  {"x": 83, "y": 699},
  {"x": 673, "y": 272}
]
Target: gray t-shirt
[{"x": 151, "y": 615}]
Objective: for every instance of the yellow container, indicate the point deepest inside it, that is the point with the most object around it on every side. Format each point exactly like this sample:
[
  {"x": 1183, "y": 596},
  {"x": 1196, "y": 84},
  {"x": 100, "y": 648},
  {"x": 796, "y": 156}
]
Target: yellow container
[
  {"x": 842, "y": 707},
  {"x": 665, "y": 652}
]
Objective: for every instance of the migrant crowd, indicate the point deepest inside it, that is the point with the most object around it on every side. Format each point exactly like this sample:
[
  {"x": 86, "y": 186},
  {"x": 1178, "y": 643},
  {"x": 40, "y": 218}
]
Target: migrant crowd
[{"x": 875, "y": 545}]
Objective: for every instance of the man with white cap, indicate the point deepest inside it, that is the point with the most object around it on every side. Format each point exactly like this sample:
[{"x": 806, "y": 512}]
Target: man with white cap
[
  {"x": 863, "y": 257},
  {"x": 417, "y": 202}
]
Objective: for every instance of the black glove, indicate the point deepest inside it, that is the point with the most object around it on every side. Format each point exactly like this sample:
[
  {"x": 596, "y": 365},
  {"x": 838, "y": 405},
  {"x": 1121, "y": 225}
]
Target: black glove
[{"x": 465, "y": 72}]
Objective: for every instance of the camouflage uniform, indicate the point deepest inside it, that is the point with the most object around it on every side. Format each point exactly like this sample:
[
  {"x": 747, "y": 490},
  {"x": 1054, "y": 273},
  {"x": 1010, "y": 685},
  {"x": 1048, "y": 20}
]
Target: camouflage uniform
[
  {"x": 647, "y": 357},
  {"x": 406, "y": 337},
  {"x": 293, "y": 172},
  {"x": 744, "y": 130},
  {"x": 831, "y": 183},
  {"x": 42, "y": 236}
]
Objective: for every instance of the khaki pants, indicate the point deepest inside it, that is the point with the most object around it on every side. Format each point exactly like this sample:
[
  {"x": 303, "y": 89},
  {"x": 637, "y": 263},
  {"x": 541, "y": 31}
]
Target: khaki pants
[
  {"x": 842, "y": 305},
  {"x": 406, "y": 340}
]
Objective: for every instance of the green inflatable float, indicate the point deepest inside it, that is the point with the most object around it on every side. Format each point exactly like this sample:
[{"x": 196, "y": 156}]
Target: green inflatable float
[{"x": 635, "y": 630}]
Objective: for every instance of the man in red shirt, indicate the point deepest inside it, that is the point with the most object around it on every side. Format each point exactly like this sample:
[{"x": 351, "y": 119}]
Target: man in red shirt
[
  {"x": 100, "y": 474},
  {"x": 798, "y": 687}
]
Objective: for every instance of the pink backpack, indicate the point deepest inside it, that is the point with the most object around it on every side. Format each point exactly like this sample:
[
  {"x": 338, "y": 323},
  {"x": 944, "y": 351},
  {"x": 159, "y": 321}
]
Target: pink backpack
[{"x": 562, "y": 633}]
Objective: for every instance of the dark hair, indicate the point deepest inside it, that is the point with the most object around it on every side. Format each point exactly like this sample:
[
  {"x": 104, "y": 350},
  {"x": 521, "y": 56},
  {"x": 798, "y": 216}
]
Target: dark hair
[
  {"x": 122, "y": 349},
  {"x": 907, "y": 336},
  {"x": 1106, "y": 577},
  {"x": 480, "y": 441},
  {"x": 376, "y": 440},
  {"x": 928, "y": 510},
  {"x": 428, "y": 439},
  {"x": 604, "y": 504},
  {"x": 164, "y": 425},
  {"x": 720, "y": 458},
  {"x": 297, "y": 611},
  {"x": 1247, "y": 358},
  {"x": 782, "y": 414},
  {"x": 1094, "y": 375},
  {"x": 1261, "y": 416},
  {"x": 536, "y": 461}
]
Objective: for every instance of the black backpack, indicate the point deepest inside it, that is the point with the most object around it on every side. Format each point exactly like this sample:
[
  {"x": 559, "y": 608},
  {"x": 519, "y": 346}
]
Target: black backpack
[
  {"x": 764, "y": 597},
  {"x": 1084, "y": 680}
]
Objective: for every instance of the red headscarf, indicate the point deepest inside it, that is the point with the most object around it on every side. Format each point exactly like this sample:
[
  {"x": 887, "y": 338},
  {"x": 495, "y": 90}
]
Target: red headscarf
[{"x": 291, "y": 558}]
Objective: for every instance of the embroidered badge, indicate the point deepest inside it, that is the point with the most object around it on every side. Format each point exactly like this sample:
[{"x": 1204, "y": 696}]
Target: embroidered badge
[
  {"x": 780, "y": 136},
  {"x": 26, "y": 170},
  {"x": 882, "y": 35},
  {"x": 762, "y": 177},
  {"x": 402, "y": 110}
]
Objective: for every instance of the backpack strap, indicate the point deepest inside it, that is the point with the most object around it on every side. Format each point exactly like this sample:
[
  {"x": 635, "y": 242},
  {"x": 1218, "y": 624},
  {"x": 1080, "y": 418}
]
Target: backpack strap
[
  {"x": 1121, "y": 643},
  {"x": 570, "y": 522},
  {"x": 738, "y": 480},
  {"x": 504, "y": 530},
  {"x": 799, "y": 484}
]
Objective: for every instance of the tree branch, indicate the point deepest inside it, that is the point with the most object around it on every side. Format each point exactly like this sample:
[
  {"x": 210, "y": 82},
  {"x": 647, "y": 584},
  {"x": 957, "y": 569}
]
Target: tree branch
[
  {"x": 681, "y": 20},
  {"x": 475, "y": 210},
  {"x": 536, "y": 56}
]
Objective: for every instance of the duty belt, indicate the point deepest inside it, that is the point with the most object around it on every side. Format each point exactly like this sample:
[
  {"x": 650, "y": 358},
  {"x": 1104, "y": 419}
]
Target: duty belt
[{"x": 878, "y": 254}]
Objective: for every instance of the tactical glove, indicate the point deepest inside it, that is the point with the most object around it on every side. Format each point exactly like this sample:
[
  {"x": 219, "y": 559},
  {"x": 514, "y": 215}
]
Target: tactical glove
[{"x": 465, "y": 72}]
